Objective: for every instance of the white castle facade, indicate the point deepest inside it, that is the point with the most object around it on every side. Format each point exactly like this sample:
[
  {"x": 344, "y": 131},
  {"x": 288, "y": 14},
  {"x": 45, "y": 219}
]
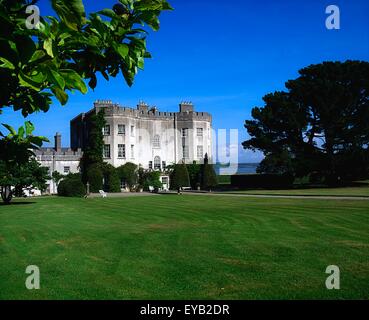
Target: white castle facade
[{"x": 145, "y": 136}]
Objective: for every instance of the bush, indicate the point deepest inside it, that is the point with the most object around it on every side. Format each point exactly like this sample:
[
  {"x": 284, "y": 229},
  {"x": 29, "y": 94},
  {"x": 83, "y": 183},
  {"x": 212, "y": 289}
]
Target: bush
[
  {"x": 95, "y": 177},
  {"x": 111, "y": 178},
  {"x": 152, "y": 178},
  {"x": 129, "y": 174},
  {"x": 194, "y": 173},
  {"x": 179, "y": 177},
  {"x": 267, "y": 181},
  {"x": 71, "y": 186},
  {"x": 209, "y": 177}
]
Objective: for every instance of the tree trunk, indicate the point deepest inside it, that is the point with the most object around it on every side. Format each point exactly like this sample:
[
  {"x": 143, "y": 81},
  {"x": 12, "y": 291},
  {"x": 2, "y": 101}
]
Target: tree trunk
[{"x": 6, "y": 194}]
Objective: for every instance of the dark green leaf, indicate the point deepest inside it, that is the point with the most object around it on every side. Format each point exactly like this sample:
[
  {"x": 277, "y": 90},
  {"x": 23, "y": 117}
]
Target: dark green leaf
[{"x": 71, "y": 12}]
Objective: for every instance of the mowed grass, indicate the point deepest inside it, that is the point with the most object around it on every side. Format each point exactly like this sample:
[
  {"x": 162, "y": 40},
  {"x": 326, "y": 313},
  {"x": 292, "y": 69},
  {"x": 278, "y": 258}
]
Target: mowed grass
[
  {"x": 184, "y": 247},
  {"x": 338, "y": 192}
]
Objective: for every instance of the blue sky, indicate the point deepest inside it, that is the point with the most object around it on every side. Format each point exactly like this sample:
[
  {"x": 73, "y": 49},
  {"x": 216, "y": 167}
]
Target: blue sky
[{"x": 223, "y": 56}]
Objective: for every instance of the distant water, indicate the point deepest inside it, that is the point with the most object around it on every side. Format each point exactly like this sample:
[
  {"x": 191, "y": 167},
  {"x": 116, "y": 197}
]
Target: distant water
[{"x": 241, "y": 168}]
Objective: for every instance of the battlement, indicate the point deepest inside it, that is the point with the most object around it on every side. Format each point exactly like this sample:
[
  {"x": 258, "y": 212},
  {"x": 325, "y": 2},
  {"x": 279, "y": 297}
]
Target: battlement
[{"x": 143, "y": 110}]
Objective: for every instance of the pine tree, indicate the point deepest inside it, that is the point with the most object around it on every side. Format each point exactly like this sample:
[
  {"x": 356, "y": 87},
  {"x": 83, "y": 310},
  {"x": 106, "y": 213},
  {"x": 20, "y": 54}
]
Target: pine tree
[
  {"x": 180, "y": 177},
  {"x": 209, "y": 177}
]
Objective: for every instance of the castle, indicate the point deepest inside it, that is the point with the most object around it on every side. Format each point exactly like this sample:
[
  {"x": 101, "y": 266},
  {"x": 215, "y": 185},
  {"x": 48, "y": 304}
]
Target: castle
[{"x": 145, "y": 136}]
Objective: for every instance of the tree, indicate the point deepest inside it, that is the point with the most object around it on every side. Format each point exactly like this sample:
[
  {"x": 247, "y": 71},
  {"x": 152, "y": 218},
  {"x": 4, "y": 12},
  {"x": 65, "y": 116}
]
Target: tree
[
  {"x": 94, "y": 176},
  {"x": 152, "y": 178},
  {"x": 194, "y": 173},
  {"x": 56, "y": 176},
  {"x": 71, "y": 186},
  {"x": 59, "y": 53},
  {"x": 129, "y": 173},
  {"x": 16, "y": 170},
  {"x": 209, "y": 177},
  {"x": 111, "y": 178},
  {"x": 319, "y": 126},
  {"x": 179, "y": 177},
  {"x": 93, "y": 153}
]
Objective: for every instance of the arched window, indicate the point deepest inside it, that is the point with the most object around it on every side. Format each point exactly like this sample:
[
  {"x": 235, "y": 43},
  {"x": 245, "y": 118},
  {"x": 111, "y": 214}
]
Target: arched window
[
  {"x": 156, "y": 141},
  {"x": 157, "y": 163}
]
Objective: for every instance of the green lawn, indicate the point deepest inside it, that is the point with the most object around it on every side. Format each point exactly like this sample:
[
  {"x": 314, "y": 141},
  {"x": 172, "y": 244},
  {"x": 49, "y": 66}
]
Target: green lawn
[
  {"x": 339, "y": 192},
  {"x": 184, "y": 247}
]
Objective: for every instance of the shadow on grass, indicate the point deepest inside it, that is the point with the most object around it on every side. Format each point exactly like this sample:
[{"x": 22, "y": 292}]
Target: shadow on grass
[{"x": 16, "y": 203}]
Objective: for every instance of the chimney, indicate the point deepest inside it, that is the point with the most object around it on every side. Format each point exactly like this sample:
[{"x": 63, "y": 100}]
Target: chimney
[
  {"x": 57, "y": 142},
  {"x": 186, "y": 106},
  {"x": 142, "y": 106}
]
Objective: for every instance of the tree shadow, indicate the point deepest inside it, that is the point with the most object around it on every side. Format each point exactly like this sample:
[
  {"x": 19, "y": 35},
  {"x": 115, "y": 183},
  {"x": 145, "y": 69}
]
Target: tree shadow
[{"x": 16, "y": 203}]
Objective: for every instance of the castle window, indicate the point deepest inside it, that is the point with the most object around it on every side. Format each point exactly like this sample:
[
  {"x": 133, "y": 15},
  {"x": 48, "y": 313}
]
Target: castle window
[
  {"x": 106, "y": 152},
  {"x": 106, "y": 130},
  {"x": 132, "y": 151},
  {"x": 185, "y": 152},
  {"x": 121, "y": 151},
  {"x": 132, "y": 131},
  {"x": 156, "y": 141},
  {"x": 150, "y": 165},
  {"x": 199, "y": 132},
  {"x": 184, "y": 132},
  {"x": 66, "y": 170},
  {"x": 157, "y": 163},
  {"x": 163, "y": 165},
  {"x": 121, "y": 129},
  {"x": 200, "y": 152}
]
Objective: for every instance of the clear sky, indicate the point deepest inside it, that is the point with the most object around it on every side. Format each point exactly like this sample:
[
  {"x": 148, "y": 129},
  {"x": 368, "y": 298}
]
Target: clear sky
[{"x": 223, "y": 56}]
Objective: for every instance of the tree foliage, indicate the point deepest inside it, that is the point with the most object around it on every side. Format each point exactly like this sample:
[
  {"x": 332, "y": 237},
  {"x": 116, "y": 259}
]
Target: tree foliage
[
  {"x": 320, "y": 125},
  {"x": 111, "y": 178},
  {"x": 179, "y": 177},
  {"x": 209, "y": 177},
  {"x": 129, "y": 174},
  {"x": 16, "y": 169},
  {"x": 93, "y": 153},
  {"x": 71, "y": 186},
  {"x": 194, "y": 172},
  {"x": 149, "y": 178},
  {"x": 61, "y": 52},
  {"x": 95, "y": 177}
]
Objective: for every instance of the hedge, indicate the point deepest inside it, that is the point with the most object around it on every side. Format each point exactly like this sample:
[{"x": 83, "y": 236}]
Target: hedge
[
  {"x": 267, "y": 181},
  {"x": 71, "y": 186}
]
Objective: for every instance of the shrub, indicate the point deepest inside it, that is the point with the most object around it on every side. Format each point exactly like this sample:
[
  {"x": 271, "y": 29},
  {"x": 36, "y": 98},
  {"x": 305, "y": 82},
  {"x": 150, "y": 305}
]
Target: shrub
[
  {"x": 95, "y": 177},
  {"x": 111, "y": 178},
  {"x": 209, "y": 177},
  {"x": 71, "y": 186},
  {"x": 152, "y": 178},
  {"x": 194, "y": 173},
  {"x": 179, "y": 177},
  {"x": 268, "y": 181},
  {"x": 129, "y": 173}
]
